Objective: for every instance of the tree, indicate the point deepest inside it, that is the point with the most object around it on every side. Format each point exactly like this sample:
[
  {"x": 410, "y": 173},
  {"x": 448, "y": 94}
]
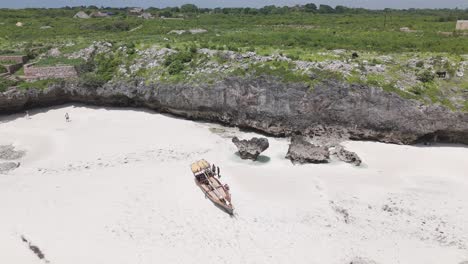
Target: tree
[
  {"x": 266, "y": 10},
  {"x": 341, "y": 9},
  {"x": 326, "y": 9},
  {"x": 310, "y": 8},
  {"x": 165, "y": 13},
  {"x": 189, "y": 8}
]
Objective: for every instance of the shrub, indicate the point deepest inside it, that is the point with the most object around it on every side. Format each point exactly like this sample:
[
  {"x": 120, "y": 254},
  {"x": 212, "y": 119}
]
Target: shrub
[
  {"x": 5, "y": 84},
  {"x": 107, "y": 66},
  {"x": 193, "y": 49},
  {"x": 293, "y": 57},
  {"x": 426, "y": 76},
  {"x": 39, "y": 84},
  {"x": 182, "y": 56},
  {"x": 175, "y": 62},
  {"x": 112, "y": 26},
  {"x": 92, "y": 80},
  {"x": 85, "y": 67},
  {"x": 175, "y": 67}
]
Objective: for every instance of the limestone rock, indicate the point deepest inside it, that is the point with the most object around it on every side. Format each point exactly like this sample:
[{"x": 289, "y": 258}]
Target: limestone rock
[
  {"x": 250, "y": 149},
  {"x": 8, "y": 152},
  {"x": 360, "y": 260},
  {"x": 267, "y": 104},
  {"x": 54, "y": 52},
  {"x": 301, "y": 151},
  {"x": 8, "y": 166},
  {"x": 346, "y": 156}
]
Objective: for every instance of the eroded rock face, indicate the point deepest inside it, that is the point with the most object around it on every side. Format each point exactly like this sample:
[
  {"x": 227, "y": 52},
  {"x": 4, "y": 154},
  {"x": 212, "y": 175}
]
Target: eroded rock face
[
  {"x": 357, "y": 112},
  {"x": 301, "y": 152},
  {"x": 250, "y": 149},
  {"x": 347, "y": 156}
]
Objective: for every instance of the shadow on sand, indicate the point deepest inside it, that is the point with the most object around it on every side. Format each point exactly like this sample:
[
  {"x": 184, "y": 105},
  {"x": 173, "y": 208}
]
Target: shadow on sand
[
  {"x": 262, "y": 159},
  {"x": 11, "y": 117}
]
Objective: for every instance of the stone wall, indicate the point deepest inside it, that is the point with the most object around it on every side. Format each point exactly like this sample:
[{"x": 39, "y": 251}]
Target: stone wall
[
  {"x": 12, "y": 68},
  {"x": 18, "y": 59},
  {"x": 462, "y": 25},
  {"x": 58, "y": 72}
]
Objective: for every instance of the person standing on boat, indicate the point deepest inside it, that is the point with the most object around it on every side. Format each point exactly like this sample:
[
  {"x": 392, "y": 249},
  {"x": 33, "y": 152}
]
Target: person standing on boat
[
  {"x": 213, "y": 169},
  {"x": 219, "y": 173}
]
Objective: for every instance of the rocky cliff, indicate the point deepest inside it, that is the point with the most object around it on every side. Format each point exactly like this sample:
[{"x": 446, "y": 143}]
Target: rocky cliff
[{"x": 270, "y": 106}]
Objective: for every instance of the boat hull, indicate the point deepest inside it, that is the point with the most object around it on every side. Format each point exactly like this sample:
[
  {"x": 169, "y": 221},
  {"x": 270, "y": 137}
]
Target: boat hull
[
  {"x": 228, "y": 208},
  {"x": 205, "y": 179}
]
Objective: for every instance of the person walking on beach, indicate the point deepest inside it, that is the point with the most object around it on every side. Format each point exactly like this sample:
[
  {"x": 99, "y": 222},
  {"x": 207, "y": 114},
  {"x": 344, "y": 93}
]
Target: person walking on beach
[
  {"x": 67, "y": 117},
  {"x": 213, "y": 169}
]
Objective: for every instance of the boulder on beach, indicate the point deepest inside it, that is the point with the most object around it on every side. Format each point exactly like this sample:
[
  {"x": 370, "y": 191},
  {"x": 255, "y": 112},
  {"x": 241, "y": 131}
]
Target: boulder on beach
[
  {"x": 346, "y": 155},
  {"x": 8, "y": 166},
  {"x": 301, "y": 151},
  {"x": 360, "y": 260},
  {"x": 8, "y": 152},
  {"x": 251, "y": 149}
]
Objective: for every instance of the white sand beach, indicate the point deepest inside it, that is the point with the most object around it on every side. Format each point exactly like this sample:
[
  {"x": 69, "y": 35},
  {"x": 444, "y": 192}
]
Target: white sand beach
[{"x": 114, "y": 186}]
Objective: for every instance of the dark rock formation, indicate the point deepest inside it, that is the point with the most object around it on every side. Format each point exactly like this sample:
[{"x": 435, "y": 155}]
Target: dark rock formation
[
  {"x": 301, "y": 151},
  {"x": 8, "y": 166},
  {"x": 250, "y": 149},
  {"x": 266, "y": 104},
  {"x": 360, "y": 260},
  {"x": 346, "y": 156},
  {"x": 8, "y": 152}
]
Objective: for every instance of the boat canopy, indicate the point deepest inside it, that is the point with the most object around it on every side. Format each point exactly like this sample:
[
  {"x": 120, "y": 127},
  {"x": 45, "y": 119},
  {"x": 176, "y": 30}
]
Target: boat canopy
[{"x": 199, "y": 166}]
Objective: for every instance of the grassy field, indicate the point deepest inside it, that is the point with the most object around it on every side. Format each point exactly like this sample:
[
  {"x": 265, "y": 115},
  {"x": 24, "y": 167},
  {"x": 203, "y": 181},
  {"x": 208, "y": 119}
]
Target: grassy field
[
  {"x": 319, "y": 37},
  {"x": 295, "y": 32}
]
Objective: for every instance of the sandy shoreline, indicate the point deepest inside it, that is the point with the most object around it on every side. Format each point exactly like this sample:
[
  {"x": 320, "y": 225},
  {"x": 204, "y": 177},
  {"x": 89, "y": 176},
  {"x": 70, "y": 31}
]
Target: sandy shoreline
[{"x": 114, "y": 186}]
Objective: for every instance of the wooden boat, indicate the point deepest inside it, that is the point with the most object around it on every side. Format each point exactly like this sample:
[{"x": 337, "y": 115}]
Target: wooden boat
[{"x": 205, "y": 178}]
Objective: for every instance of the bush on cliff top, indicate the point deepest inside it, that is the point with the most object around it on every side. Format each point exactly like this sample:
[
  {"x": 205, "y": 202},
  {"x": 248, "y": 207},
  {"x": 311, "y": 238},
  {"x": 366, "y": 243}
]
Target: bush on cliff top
[
  {"x": 91, "y": 80},
  {"x": 5, "y": 84},
  {"x": 39, "y": 84}
]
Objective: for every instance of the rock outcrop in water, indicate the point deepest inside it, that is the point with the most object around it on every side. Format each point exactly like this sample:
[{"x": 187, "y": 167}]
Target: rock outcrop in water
[
  {"x": 301, "y": 151},
  {"x": 346, "y": 156},
  {"x": 268, "y": 105},
  {"x": 250, "y": 149}
]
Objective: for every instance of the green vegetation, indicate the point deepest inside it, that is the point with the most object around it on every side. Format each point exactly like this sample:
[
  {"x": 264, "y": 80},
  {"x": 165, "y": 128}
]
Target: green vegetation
[
  {"x": 270, "y": 27},
  {"x": 5, "y": 84},
  {"x": 7, "y": 62},
  {"x": 53, "y": 61},
  {"x": 40, "y": 84},
  {"x": 319, "y": 35}
]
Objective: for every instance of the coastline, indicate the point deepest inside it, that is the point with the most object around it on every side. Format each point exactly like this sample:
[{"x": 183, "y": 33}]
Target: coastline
[
  {"x": 269, "y": 106},
  {"x": 122, "y": 193}
]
